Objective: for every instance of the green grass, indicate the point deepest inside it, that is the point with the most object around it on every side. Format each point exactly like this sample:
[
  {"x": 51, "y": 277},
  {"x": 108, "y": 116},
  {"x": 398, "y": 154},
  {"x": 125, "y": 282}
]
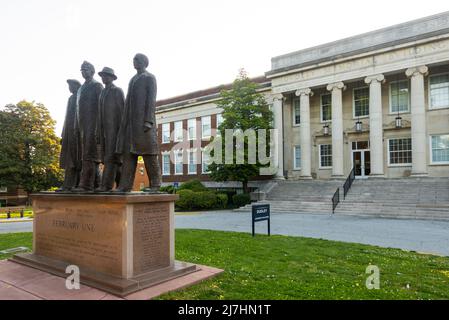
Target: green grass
[
  {"x": 279, "y": 267},
  {"x": 14, "y": 240}
]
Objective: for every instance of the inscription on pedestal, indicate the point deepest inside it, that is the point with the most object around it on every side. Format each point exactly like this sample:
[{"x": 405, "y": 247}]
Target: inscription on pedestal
[
  {"x": 74, "y": 233},
  {"x": 151, "y": 244}
]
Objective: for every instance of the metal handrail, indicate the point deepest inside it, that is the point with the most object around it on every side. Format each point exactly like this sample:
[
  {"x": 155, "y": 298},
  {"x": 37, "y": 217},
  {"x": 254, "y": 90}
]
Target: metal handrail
[
  {"x": 335, "y": 199},
  {"x": 348, "y": 182}
]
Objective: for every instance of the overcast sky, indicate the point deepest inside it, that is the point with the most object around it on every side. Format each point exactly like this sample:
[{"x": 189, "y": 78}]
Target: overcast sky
[{"x": 191, "y": 45}]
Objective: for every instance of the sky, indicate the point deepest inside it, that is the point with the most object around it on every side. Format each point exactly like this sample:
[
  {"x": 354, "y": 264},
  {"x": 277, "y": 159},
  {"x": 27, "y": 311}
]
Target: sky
[{"x": 191, "y": 45}]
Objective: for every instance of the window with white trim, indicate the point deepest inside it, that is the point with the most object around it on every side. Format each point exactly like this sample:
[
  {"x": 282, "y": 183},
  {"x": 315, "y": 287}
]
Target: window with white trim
[
  {"x": 205, "y": 127},
  {"x": 296, "y": 112},
  {"x": 326, "y": 107},
  {"x": 440, "y": 148},
  {"x": 191, "y": 129},
  {"x": 192, "y": 161},
  {"x": 166, "y": 164},
  {"x": 219, "y": 122},
  {"x": 325, "y": 155},
  {"x": 361, "y": 102},
  {"x": 297, "y": 158},
  {"x": 178, "y": 162},
  {"x": 399, "y": 96},
  {"x": 439, "y": 91},
  {"x": 205, "y": 162},
  {"x": 178, "y": 131},
  {"x": 166, "y": 133},
  {"x": 400, "y": 151}
]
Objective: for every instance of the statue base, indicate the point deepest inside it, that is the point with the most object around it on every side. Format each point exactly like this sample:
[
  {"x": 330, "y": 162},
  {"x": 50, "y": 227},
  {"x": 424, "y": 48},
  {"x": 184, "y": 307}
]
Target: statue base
[{"x": 121, "y": 243}]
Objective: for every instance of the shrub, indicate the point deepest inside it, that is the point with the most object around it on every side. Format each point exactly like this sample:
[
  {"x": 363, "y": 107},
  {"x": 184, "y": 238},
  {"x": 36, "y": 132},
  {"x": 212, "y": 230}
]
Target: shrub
[
  {"x": 168, "y": 189},
  {"x": 186, "y": 199},
  {"x": 204, "y": 200},
  {"x": 241, "y": 199},
  {"x": 194, "y": 185},
  {"x": 222, "y": 200}
]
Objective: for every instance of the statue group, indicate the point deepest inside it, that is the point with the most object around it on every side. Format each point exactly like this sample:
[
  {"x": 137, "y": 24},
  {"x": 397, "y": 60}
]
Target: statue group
[{"x": 102, "y": 127}]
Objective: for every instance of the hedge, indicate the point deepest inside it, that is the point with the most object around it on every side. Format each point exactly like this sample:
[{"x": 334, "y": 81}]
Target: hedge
[{"x": 241, "y": 199}]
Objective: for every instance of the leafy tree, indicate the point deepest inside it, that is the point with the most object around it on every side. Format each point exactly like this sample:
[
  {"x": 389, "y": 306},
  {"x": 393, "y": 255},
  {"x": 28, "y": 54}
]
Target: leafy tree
[
  {"x": 29, "y": 147},
  {"x": 243, "y": 108}
]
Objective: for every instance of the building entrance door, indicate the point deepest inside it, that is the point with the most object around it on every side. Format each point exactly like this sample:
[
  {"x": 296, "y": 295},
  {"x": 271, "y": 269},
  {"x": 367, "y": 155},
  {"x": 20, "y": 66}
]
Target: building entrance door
[{"x": 361, "y": 160}]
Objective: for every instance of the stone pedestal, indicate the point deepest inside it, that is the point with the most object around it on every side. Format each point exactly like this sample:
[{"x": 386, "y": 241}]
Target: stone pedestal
[{"x": 121, "y": 243}]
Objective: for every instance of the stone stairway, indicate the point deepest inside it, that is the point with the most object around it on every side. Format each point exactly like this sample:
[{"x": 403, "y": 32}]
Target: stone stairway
[
  {"x": 305, "y": 196},
  {"x": 407, "y": 198}
]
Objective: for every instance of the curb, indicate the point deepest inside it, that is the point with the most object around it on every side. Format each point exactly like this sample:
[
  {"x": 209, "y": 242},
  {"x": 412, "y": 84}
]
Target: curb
[{"x": 15, "y": 220}]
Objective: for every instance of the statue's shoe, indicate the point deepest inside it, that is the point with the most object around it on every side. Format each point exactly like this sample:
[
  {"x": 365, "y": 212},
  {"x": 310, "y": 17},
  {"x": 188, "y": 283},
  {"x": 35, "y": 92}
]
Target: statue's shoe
[
  {"x": 102, "y": 189},
  {"x": 121, "y": 190},
  {"x": 82, "y": 190}
]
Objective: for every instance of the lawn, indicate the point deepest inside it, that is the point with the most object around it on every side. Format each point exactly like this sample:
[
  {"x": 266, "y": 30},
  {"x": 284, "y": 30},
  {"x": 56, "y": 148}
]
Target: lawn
[{"x": 280, "y": 267}]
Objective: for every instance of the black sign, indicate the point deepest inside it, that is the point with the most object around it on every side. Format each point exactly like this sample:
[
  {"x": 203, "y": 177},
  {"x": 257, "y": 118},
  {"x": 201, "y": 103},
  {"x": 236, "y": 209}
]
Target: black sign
[{"x": 261, "y": 212}]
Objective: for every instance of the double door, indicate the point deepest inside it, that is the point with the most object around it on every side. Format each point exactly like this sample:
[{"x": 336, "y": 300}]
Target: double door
[{"x": 361, "y": 160}]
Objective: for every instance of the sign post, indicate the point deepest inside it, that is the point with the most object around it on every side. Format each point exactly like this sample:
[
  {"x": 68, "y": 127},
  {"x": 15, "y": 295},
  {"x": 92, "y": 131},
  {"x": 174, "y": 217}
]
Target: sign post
[{"x": 260, "y": 212}]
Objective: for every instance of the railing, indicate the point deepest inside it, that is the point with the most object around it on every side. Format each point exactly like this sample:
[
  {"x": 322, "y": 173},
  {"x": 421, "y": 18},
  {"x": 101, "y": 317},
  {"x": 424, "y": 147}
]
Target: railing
[
  {"x": 335, "y": 199},
  {"x": 348, "y": 183}
]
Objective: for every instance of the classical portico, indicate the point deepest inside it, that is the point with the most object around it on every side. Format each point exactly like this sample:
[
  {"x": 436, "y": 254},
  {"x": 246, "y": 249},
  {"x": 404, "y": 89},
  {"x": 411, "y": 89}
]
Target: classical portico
[{"x": 378, "y": 92}]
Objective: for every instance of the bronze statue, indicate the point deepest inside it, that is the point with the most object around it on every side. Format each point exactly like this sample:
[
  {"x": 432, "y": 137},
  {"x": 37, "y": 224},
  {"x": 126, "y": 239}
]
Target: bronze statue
[
  {"x": 87, "y": 111},
  {"x": 138, "y": 130},
  {"x": 111, "y": 105},
  {"x": 70, "y": 158}
]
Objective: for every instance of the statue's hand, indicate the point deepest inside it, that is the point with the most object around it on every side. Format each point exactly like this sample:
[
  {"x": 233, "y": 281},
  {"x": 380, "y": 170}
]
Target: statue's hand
[{"x": 147, "y": 126}]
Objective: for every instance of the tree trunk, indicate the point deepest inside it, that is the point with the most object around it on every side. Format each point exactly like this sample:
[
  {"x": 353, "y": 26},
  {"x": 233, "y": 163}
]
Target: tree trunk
[{"x": 245, "y": 186}]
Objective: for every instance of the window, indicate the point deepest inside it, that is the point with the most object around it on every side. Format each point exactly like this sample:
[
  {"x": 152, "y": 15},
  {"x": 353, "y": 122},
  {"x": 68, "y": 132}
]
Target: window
[
  {"x": 440, "y": 148},
  {"x": 325, "y": 155},
  {"x": 399, "y": 96},
  {"x": 192, "y": 161},
  {"x": 326, "y": 107},
  {"x": 191, "y": 129},
  {"x": 219, "y": 122},
  {"x": 400, "y": 151},
  {"x": 205, "y": 127},
  {"x": 297, "y": 158},
  {"x": 166, "y": 164},
  {"x": 178, "y": 162},
  {"x": 178, "y": 131},
  {"x": 361, "y": 102},
  {"x": 166, "y": 133},
  {"x": 205, "y": 162},
  {"x": 296, "y": 112},
  {"x": 439, "y": 91}
]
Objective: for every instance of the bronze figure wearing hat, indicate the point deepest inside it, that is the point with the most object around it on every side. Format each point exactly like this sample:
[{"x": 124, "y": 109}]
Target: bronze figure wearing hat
[
  {"x": 70, "y": 158},
  {"x": 111, "y": 105},
  {"x": 138, "y": 130},
  {"x": 86, "y": 119}
]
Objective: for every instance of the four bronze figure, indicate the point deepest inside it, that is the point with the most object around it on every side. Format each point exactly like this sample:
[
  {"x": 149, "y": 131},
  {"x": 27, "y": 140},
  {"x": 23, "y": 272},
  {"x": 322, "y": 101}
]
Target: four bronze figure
[{"x": 101, "y": 127}]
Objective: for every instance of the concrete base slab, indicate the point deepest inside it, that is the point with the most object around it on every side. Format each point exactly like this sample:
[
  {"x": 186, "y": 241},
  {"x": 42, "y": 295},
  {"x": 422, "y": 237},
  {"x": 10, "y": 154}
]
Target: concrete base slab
[{"x": 21, "y": 282}]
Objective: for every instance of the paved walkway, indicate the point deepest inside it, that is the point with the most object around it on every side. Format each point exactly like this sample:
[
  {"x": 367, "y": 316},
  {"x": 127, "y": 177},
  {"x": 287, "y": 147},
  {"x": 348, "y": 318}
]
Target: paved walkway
[
  {"x": 18, "y": 282},
  {"x": 418, "y": 235}
]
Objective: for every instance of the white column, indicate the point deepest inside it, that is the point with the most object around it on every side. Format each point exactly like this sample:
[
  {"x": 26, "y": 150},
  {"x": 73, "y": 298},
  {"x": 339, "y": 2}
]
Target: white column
[
  {"x": 306, "y": 146},
  {"x": 337, "y": 128},
  {"x": 279, "y": 143},
  {"x": 418, "y": 110},
  {"x": 376, "y": 124}
]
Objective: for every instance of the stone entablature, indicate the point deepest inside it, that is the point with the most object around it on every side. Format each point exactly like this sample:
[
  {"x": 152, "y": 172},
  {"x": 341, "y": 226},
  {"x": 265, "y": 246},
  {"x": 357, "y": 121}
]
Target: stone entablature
[{"x": 393, "y": 59}]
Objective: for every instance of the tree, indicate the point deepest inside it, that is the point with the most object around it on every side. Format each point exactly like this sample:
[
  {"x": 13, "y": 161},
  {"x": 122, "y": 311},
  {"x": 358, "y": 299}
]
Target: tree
[
  {"x": 243, "y": 108},
  {"x": 29, "y": 147}
]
